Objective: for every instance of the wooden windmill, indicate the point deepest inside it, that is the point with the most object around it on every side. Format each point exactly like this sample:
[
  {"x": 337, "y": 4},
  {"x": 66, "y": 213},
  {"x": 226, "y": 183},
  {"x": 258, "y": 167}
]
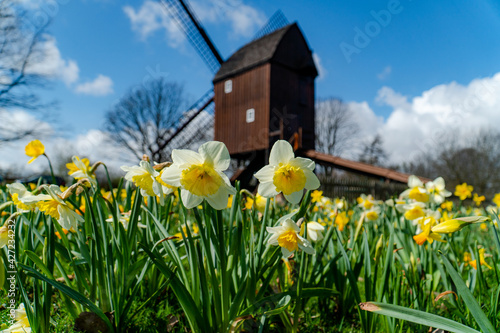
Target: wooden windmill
[{"x": 262, "y": 93}]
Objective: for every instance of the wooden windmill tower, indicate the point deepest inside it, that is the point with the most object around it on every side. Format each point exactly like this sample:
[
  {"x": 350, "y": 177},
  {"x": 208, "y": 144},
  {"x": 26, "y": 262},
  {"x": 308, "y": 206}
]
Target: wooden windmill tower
[{"x": 262, "y": 93}]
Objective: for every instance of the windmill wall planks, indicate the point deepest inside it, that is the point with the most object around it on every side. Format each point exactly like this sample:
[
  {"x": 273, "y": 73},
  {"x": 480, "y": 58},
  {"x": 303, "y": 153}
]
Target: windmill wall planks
[{"x": 272, "y": 91}]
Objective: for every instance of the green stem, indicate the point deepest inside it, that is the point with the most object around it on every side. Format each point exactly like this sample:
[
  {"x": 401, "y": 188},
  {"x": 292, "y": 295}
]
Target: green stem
[{"x": 51, "y": 170}]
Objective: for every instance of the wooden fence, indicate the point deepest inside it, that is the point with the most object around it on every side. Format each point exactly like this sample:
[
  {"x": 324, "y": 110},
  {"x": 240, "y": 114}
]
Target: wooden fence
[{"x": 351, "y": 189}]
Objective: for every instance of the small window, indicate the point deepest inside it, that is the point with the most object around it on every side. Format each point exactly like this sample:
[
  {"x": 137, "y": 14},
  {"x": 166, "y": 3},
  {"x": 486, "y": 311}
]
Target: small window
[
  {"x": 228, "y": 86},
  {"x": 250, "y": 115}
]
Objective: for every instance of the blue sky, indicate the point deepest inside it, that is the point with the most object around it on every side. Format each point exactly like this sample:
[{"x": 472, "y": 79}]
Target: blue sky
[{"x": 420, "y": 48}]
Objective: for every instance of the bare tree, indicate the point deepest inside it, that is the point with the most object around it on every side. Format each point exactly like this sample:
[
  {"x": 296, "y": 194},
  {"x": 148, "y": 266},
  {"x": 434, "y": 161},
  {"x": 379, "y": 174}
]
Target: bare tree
[
  {"x": 474, "y": 160},
  {"x": 21, "y": 46},
  {"x": 145, "y": 117},
  {"x": 335, "y": 126},
  {"x": 373, "y": 152}
]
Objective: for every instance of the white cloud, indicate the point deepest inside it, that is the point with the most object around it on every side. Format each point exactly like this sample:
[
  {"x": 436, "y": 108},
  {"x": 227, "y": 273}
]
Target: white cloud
[
  {"x": 153, "y": 16},
  {"x": 420, "y": 124},
  {"x": 385, "y": 73},
  {"x": 101, "y": 86},
  {"x": 244, "y": 19},
  {"x": 321, "y": 70},
  {"x": 96, "y": 145},
  {"x": 50, "y": 63}
]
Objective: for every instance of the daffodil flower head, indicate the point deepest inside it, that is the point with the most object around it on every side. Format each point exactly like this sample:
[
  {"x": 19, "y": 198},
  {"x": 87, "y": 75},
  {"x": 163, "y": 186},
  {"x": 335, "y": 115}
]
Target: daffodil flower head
[
  {"x": 4, "y": 235},
  {"x": 416, "y": 190},
  {"x": 478, "y": 199},
  {"x": 55, "y": 206},
  {"x": 22, "y": 324},
  {"x": 288, "y": 238},
  {"x": 316, "y": 196},
  {"x": 463, "y": 191},
  {"x": 437, "y": 190},
  {"x": 314, "y": 231},
  {"x": 80, "y": 169},
  {"x": 287, "y": 174},
  {"x": 200, "y": 175},
  {"x": 413, "y": 210},
  {"x": 427, "y": 234},
  {"x": 34, "y": 149},
  {"x": 373, "y": 213},
  {"x": 341, "y": 220},
  {"x": 21, "y": 197},
  {"x": 147, "y": 179}
]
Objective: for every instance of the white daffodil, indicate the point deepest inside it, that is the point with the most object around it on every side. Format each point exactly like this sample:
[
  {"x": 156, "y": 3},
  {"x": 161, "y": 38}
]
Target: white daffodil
[
  {"x": 287, "y": 237},
  {"x": 373, "y": 213},
  {"x": 24, "y": 199},
  {"x": 80, "y": 169},
  {"x": 55, "y": 206},
  {"x": 4, "y": 235},
  {"x": 146, "y": 178},
  {"x": 437, "y": 190},
  {"x": 200, "y": 175},
  {"x": 416, "y": 190},
  {"x": 314, "y": 231},
  {"x": 124, "y": 219},
  {"x": 287, "y": 174},
  {"x": 22, "y": 324},
  {"x": 367, "y": 201}
]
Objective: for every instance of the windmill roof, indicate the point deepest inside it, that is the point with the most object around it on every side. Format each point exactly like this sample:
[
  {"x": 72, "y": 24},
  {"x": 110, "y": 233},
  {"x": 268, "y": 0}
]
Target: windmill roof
[{"x": 257, "y": 52}]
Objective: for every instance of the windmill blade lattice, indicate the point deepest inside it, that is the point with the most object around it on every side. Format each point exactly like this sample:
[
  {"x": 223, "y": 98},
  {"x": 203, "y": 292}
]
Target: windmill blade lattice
[{"x": 196, "y": 35}]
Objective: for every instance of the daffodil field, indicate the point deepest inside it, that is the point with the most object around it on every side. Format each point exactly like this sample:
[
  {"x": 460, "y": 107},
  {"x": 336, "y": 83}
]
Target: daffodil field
[{"x": 175, "y": 247}]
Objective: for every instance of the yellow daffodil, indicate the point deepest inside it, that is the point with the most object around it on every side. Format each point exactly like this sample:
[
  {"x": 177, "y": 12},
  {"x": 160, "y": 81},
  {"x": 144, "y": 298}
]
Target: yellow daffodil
[
  {"x": 200, "y": 175},
  {"x": 496, "y": 199},
  {"x": 183, "y": 233},
  {"x": 260, "y": 202},
  {"x": 478, "y": 199},
  {"x": 249, "y": 203},
  {"x": 448, "y": 205},
  {"x": 437, "y": 190},
  {"x": 457, "y": 224},
  {"x": 146, "y": 178},
  {"x": 341, "y": 220},
  {"x": 316, "y": 196},
  {"x": 463, "y": 191},
  {"x": 230, "y": 201},
  {"x": 473, "y": 263},
  {"x": 22, "y": 324},
  {"x": 287, "y": 237},
  {"x": 427, "y": 234},
  {"x": 287, "y": 174},
  {"x": 34, "y": 149}
]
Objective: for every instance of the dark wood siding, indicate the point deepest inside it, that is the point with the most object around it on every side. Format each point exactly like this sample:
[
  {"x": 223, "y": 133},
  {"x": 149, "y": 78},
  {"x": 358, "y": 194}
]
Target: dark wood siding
[
  {"x": 292, "y": 100},
  {"x": 250, "y": 90}
]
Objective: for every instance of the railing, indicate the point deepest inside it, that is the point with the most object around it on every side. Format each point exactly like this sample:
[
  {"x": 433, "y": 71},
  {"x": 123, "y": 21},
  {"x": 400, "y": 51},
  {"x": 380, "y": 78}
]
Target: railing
[{"x": 333, "y": 187}]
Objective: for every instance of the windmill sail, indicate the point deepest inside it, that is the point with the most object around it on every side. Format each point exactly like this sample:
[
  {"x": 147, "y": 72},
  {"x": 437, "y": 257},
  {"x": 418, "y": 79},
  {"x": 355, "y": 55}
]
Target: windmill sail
[
  {"x": 187, "y": 21},
  {"x": 275, "y": 22}
]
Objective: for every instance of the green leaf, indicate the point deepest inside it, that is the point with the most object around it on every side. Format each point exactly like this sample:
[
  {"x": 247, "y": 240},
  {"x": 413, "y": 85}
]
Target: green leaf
[
  {"x": 416, "y": 316},
  {"x": 280, "y": 307},
  {"x": 468, "y": 298},
  {"x": 71, "y": 293}
]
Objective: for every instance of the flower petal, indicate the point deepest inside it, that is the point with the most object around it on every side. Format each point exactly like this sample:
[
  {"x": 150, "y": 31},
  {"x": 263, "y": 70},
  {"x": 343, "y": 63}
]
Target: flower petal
[
  {"x": 265, "y": 174},
  {"x": 282, "y": 152},
  {"x": 215, "y": 153},
  {"x": 267, "y": 189},
  {"x": 186, "y": 156},
  {"x": 303, "y": 163},
  {"x": 294, "y": 197},
  {"x": 312, "y": 181},
  {"x": 219, "y": 199},
  {"x": 172, "y": 175},
  {"x": 190, "y": 200}
]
